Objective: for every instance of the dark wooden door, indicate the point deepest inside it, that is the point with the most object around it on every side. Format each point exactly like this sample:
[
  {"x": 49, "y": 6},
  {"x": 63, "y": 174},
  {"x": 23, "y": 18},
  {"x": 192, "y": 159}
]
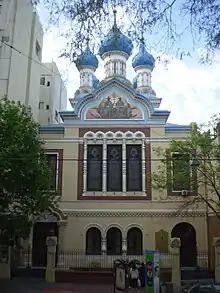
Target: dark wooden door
[{"x": 39, "y": 248}]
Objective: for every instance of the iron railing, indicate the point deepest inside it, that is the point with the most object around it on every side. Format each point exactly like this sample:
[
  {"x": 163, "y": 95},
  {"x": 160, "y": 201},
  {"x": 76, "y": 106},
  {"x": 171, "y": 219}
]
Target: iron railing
[{"x": 79, "y": 259}]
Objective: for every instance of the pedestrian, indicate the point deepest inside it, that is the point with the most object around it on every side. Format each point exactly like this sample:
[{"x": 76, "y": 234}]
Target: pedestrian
[
  {"x": 142, "y": 274},
  {"x": 134, "y": 274}
]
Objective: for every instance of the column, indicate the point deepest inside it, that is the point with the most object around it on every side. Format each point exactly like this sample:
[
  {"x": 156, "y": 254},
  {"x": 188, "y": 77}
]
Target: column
[
  {"x": 124, "y": 246},
  {"x": 104, "y": 167},
  {"x": 176, "y": 273},
  {"x": 103, "y": 246},
  {"x": 217, "y": 259},
  {"x": 84, "y": 166},
  {"x": 124, "y": 167},
  {"x": 51, "y": 259},
  {"x": 143, "y": 167}
]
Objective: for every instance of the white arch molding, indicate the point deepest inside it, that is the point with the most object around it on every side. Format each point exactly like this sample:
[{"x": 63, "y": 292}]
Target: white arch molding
[
  {"x": 134, "y": 225},
  {"x": 117, "y": 137},
  {"x": 94, "y": 225},
  {"x": 114, "y": 225}
]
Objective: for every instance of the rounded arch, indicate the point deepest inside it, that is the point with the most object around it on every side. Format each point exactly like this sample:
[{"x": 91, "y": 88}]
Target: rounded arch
[
  {"x": 93, "y": 241},
  {"x": 94, "y": 225},
  {"x": 114, "y": 225},
  {"x": 188, "y": 249},
  {"x": 134, "y": 225},
  {"x": 114, "y": 241},
  {"x": 134, "y": 241}
]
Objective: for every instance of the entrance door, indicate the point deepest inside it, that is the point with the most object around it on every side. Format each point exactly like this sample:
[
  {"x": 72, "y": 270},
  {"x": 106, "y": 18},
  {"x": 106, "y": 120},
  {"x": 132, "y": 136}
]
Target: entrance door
[
  {"x": 39, "y": 248},
  {"x": 188, "y": 250}
]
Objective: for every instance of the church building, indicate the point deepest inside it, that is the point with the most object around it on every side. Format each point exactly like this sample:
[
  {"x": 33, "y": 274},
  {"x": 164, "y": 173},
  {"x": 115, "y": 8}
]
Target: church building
[{"x": 102, "y": 156}]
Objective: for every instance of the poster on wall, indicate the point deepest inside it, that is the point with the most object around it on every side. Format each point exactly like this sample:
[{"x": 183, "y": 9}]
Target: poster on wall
[{"x": 152, "y": 270}]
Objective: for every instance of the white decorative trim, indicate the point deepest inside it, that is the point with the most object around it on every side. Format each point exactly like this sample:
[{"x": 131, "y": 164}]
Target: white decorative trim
[
  {"x": 114, "y": 135},
  {"x": 80, "y": 139},
  {"x": 134, "y": 225},
  {"x": 95, "y": 225},
  {"x": 124, "y": 174},
  {"x": 85, "y": 167},
  {"x": 104, "y": 168},
  {"x": 114, "y": 225},
  {"x": 143, "y": 159},
  {"x": 132, "y": 213}
]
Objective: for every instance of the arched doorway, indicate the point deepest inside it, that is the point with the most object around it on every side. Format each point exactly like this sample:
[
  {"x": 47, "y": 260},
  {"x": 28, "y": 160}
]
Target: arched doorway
[
  {"x": 134, "y": 241},
  {"x": 93, "y": 241},
  {"x": 41, "y": 231},
  {"x": 114, "y": 241},
  {"x": 188, "y": 252}
]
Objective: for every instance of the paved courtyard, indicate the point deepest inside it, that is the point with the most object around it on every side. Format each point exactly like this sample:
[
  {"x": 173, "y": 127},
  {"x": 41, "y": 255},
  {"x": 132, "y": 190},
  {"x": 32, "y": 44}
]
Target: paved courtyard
[{"x": 38, "y": 286}]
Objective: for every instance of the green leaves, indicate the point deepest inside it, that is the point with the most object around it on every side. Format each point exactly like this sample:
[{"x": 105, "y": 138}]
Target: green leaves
[
  {"x": 25, "y": 175},
  {"x": 206, "y": 147}
]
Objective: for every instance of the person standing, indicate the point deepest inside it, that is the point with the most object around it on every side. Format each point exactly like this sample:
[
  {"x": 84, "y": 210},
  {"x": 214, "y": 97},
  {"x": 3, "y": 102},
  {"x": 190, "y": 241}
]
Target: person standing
[{"x": 134, "y": 275}]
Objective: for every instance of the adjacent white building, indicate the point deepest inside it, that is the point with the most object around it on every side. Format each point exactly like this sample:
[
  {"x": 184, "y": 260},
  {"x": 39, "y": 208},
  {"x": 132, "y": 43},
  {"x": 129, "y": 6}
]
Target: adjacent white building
[
  {"x": 20, "y": 65},
  {"x": 53, "y": 94},
  {"x": 23, "y": 76}
]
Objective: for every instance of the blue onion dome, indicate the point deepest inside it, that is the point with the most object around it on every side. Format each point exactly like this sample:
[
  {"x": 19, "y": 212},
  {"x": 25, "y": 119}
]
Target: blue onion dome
[
  {"x": 143, "y": 58},
  {"x": 115, "y": 40},
  {"x": 87, "y": 59},
  {"x": 95, "y": 82},
  {"x": 135, "y": 82}
]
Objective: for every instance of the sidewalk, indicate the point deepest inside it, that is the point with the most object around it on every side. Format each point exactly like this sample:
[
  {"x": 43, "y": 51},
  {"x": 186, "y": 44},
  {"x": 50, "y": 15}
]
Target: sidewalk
[{"x": 38, "y": 286}]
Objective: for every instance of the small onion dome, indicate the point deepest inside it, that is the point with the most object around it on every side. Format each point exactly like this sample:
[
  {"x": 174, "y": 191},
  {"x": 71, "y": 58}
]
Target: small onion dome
[
  {"x": 95, "y": 82},
  {"x": 115, "y": 40},
  {"x": 87, "y": 59},
  {"x": 143, "y": 58},
  {"x": 135, "y": 82}
]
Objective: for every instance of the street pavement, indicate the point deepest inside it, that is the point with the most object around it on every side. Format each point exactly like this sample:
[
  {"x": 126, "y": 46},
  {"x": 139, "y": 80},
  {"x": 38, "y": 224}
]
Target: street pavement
[{"x": 38, "y": 286}]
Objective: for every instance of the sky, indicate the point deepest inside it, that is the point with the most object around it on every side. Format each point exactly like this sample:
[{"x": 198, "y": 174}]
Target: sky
[{"x": 189, "y": 90}]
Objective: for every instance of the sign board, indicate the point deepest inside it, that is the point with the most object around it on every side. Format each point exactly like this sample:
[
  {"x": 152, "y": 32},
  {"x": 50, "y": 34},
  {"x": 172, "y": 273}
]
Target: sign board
[{"x": 152, "y": 270}]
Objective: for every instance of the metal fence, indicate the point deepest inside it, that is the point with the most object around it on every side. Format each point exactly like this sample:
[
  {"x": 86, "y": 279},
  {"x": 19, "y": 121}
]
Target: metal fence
[{"x": 78, "y": 259}]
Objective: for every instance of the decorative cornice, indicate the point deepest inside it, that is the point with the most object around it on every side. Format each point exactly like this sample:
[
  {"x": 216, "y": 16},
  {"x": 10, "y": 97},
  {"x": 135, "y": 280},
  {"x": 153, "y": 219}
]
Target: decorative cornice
[{"x": 86, "y": 214}]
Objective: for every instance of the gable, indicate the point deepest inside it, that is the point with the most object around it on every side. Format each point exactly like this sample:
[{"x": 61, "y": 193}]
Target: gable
[{"x": 115, "y": 103}]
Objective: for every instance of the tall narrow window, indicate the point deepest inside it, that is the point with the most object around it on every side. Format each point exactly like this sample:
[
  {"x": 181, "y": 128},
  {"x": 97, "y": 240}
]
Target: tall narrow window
[
  {"x": 94, "y": 168},
  {"x": 180, "y": 171},
  {"x": 42, "y": 81},
  {"x": 114, "y": 168},
  {"x": 134, "y": 168},
  {"x": 52, "y": 162}
]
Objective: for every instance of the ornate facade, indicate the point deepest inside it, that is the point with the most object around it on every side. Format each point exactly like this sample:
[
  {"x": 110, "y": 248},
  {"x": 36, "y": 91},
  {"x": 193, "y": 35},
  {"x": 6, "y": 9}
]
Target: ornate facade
[{"x": 105, "y": 156}]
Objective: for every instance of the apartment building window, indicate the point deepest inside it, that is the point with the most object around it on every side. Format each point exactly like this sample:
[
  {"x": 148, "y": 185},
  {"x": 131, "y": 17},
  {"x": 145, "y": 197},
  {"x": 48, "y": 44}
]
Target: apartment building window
[
  {"x": 42, "y": 81},
  {"x": 48, "y": 107},
  {"x": 114, "y": 163},
  {"x": 181, "y": 172},
  {"x": 48, "y": 83},
  {"x": 53, "y": 159},
  {"x": 41, "y": 105},
  {"x": 38, "y": 50}
]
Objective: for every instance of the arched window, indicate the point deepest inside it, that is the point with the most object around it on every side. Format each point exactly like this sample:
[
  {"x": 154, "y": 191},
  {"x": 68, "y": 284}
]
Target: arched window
[
  {"x": 114, "y": 241},
  {"x": 93, "y": 241},
  {"x": 134, "y": 241}
]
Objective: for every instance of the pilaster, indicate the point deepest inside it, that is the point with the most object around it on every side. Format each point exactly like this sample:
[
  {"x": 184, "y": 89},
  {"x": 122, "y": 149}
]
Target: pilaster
[
  {"x": 85, "y": 167},
  {"x": 143, "y": 167},
  {"x": 124, "y": 167},
  {"x": 104, "y": 167}
]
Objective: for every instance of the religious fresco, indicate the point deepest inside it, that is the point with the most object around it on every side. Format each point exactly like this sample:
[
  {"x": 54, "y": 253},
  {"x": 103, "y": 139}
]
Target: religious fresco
[{"x": 114, "y": 107}]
